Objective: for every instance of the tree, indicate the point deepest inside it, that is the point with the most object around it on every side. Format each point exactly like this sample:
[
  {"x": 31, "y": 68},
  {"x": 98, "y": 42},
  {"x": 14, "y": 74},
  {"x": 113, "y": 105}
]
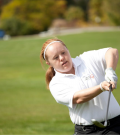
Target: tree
[
  {"x": 82, "y": 4},
  {"x": 105, "y": 12},
  {"x": 37, "y": 13},
  {"x": 74, "y": 13},
  {"x": 112, "y": 10},
  {"x": 96, "y": 14},
  {"x": 2, "y": 3},
  {"x": 14, "y": 27}
]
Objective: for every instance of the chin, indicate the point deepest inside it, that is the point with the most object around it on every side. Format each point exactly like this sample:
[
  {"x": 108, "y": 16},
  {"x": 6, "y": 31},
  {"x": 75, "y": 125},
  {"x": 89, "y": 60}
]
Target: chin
[
  {"x": 67, "y": 71},
  {"x": 63, "y": 71}
]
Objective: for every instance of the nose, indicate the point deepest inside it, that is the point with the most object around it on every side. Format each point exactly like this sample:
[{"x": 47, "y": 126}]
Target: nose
[{"x": 61, "y": 57}]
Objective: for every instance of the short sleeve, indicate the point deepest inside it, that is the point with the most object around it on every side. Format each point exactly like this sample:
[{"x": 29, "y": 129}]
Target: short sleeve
[
  {"x": 62, "y": 93},
  {"x": 96, "y": 58}
]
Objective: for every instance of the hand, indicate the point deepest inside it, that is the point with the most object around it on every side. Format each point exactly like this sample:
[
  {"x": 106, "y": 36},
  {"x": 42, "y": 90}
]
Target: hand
[
  {"x": 106, "y": 85},
  {"x": 110, "y": 75}
]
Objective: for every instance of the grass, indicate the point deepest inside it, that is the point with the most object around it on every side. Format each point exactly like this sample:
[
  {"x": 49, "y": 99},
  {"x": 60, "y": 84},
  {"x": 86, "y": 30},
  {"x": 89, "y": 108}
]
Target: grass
[{"x": 26, "y": 106}]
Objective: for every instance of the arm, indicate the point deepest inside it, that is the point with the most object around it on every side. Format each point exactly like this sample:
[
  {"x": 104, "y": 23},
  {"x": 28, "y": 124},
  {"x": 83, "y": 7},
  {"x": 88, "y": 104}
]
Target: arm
[
  {"x": 87, "y": 94},
  {"x": 111, "y": 58}
]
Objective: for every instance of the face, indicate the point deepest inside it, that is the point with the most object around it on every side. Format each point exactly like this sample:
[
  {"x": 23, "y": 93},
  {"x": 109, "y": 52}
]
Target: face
[{"x": 59, "y": 58}]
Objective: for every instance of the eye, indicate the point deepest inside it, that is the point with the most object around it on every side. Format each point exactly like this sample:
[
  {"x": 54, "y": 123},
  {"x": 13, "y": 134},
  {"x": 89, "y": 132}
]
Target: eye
[
  {"x": 63, "y": 52},
  {"x": 56, "y": 57}
]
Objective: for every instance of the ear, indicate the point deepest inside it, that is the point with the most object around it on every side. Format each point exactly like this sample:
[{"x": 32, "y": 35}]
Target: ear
[{"x": 47, "y": 63}]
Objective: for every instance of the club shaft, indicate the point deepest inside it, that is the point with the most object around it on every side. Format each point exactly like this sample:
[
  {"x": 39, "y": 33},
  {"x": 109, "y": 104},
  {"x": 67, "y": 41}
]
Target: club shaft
[{"x": 108, "y": 104}]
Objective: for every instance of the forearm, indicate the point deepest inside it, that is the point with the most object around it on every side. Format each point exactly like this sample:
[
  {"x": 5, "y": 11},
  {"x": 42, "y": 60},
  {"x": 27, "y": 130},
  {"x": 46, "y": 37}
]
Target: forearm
[
  {"x": 111, "y": 58},
  {"x": 86, "y": 94}
]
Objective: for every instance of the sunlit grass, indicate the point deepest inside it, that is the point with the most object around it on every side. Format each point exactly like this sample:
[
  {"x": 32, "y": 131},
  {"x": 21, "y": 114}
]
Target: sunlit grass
[{"x": 26, "y": 106}]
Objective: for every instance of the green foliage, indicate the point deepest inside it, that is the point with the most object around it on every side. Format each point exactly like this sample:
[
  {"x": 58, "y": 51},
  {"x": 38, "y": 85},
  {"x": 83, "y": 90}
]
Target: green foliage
[
  {"x": 96, "y": 11},
  {"x": 74, "y": 13},
  {"x": 82, "y": 4},
  {"x": 108, "y": 11},
  {"x": 112, "y": 10},
  {"x": 14, "y": 27},
  {"x": 38, "y": 13},
  {"x": 2, "y": 3}
]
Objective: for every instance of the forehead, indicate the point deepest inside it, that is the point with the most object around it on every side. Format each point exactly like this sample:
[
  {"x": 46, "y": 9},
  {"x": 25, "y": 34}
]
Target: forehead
[{"x": 55, "y": 47}]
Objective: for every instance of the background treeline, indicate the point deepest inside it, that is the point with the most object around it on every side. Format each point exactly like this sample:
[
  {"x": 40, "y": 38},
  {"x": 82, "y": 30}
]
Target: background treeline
[{"x": 24, "y": 17}]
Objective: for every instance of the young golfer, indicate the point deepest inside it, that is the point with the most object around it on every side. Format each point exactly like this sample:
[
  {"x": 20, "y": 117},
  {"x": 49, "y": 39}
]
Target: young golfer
[{"x": 82, "y": 84}]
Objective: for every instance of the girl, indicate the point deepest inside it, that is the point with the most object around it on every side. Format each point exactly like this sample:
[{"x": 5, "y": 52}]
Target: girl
[{"x": 82, "y": 84}]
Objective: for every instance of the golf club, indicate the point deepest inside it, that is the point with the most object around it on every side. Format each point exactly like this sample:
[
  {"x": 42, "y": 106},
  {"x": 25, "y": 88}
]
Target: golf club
[{"x": 98, "y": 124}]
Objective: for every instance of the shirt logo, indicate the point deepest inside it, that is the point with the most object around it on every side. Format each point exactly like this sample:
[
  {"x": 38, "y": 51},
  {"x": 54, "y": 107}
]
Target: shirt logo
[
  {"x": 91, "y": 76},
  {"x": 88, "y": 76}
]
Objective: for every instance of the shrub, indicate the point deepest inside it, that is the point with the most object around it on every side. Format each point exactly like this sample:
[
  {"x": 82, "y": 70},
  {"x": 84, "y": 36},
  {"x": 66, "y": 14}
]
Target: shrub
[
  {"x": 74, "y": 13},
  {"x": 14, "y": 27}
]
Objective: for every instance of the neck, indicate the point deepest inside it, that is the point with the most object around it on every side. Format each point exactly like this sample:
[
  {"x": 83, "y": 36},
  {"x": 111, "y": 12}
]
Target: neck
[{"x": 72, "y": 71}]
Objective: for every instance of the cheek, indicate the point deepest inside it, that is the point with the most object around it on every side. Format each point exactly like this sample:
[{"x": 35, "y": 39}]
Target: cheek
[
  {"x": 54, "y": 64},
  {"x": 69, "y": 56},
  {"x": 71, "y": 64}
]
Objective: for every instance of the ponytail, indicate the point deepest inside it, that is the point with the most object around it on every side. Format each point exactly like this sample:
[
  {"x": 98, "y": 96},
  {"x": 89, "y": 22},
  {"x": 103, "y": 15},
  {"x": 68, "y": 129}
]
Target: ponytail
[{"x": 49, "y": 75}]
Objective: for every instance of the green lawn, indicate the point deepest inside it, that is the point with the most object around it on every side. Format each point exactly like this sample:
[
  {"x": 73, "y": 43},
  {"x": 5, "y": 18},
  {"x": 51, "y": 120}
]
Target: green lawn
[{"x": 26, "y": 106}]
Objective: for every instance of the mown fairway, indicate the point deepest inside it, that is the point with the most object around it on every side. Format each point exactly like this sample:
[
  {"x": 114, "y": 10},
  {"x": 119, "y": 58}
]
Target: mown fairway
[{"x": 26, "y": 106}]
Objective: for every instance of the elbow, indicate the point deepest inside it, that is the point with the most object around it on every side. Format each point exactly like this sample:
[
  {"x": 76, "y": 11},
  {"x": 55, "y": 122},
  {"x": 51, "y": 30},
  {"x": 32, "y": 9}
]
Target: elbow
[
  {"x": 116, "y": 54},
  {"x": 79, "y": 101},
  {"x": 115, "y": 51}
]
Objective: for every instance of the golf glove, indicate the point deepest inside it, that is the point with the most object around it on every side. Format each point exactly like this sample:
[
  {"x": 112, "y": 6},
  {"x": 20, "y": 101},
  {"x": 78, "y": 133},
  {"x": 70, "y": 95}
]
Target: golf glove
[{"x": 110, "y": 75}]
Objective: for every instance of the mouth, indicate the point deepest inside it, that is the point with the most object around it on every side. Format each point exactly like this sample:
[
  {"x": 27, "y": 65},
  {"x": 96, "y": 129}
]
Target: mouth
[{"x": 64, "y": 63}]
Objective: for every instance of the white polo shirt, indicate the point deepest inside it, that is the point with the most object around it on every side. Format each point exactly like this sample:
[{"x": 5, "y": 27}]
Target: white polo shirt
[{"x": 89, "y": 72}]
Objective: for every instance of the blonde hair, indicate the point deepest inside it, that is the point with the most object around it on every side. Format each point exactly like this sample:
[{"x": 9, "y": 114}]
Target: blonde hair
[{"x": 50, "y": 73}]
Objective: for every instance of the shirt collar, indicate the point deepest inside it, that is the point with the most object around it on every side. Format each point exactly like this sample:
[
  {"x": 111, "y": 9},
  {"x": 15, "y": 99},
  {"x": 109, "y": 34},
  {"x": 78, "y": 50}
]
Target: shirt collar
[{"x": 76, "y": 62}]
